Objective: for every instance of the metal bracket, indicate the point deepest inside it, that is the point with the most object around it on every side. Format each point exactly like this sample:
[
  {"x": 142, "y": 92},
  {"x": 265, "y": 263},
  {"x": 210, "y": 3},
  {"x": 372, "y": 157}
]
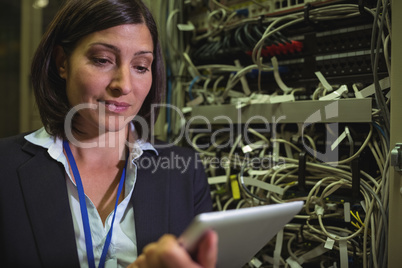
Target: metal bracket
[{"x": 396, "y": 157}]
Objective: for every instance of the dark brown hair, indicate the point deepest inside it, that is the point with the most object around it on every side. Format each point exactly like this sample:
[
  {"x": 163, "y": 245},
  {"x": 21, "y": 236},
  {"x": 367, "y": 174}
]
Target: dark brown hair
[{"x": 76, "y": 19}]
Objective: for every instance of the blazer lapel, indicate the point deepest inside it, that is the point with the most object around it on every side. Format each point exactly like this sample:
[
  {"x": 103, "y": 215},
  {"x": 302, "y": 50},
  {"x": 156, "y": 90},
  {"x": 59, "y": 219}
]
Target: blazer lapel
[
  {"x": 45, "y": 194},
  {"x": 150, "y": 201}
]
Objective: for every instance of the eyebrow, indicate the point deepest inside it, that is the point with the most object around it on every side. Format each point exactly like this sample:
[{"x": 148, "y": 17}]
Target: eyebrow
[{"x": 117, "y": 50}]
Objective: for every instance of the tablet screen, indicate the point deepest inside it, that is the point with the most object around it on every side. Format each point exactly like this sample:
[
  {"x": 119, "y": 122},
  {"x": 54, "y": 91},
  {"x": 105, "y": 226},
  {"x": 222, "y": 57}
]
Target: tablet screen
[{"x": 242, "y": 232}]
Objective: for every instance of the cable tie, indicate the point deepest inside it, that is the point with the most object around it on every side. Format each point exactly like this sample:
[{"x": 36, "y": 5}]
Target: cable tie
[
  {"x": 235, "y": 187},
  {"x": 255, "y": 262},
  {"x": 307, "y": 8},
  {"x": 252, "y": 172},
  {"x": 346, "y": 211},
  {"x": 370, "y": 90},
  {"x": 302, "y": 171},
  {"x": 338, "y": 141},
  {"x": 316, "y": 252},
  {"x": 275, "y": 151},
  {"x": 240, "y": 104},
  {"x": 189, "y": 27},
  {"x": 293, "y": 263},
  {"x": 355, "y": 179},
  {"x": 263, "y": 185},
  {"x": 324, "y": 81},
  {"x": 282, "y": 98},
  {"x": 217, "y": 180},
  {"x": 336, "y": 94},
  {"x": 343, "y": 252},
  {"x": 278, "y": 249},
  {"x": 329, "y": 244},
  {"x": 186, "y": 110},
  {"x": 247, "y": 149},
  {"x": 252, "y": 146}
]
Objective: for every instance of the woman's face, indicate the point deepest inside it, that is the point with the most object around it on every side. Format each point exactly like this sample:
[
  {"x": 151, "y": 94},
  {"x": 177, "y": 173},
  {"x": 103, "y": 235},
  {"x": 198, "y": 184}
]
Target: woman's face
[{"x": 109, "y": 75}]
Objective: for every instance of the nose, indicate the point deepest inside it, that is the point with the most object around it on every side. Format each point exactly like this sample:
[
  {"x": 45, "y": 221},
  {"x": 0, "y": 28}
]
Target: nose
[{"x": 121, "y": 83}]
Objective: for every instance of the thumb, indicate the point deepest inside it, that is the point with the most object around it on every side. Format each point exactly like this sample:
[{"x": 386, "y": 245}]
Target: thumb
[{"x": 207, "y": 254}]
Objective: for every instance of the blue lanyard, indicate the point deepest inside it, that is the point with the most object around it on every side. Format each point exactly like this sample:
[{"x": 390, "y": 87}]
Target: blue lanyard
[{"x": 84, "y": 211}]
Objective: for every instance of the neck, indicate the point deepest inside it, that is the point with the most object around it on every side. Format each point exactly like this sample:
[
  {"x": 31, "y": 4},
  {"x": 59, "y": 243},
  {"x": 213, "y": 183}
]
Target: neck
[{"x": 101, "y": 150}]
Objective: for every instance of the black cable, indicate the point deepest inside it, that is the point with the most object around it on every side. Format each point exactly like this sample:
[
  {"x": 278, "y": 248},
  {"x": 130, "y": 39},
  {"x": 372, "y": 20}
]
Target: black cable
[
  {"x": 214, "y": 48},
  {"x": 226, "y": 42},
  {"x": 238, "y": 39},
  {"x": 197, "y": 54},
  {"x": 301, "y": 233},
  {"x": 268, "y": 41},
  {"x": 250, "y": 39}
]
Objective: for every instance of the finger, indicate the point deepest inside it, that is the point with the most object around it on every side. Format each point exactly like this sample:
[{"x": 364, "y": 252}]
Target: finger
[
  {"x": 208, "y": 250},
  {"x": 139, "y": 262},
  {"x": 133, "y": 265},
  {"x": 150, "y": 256},
  {"x": 176, "y": 256},
  {"x": 166, "y": 253}
]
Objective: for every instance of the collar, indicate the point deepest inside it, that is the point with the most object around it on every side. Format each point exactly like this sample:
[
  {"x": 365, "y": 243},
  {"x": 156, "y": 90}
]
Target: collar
[{"x": 54, "y": 145}]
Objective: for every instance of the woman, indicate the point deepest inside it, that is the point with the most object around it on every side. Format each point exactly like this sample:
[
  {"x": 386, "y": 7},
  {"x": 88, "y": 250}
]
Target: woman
[{"x": 89, "y": 189}]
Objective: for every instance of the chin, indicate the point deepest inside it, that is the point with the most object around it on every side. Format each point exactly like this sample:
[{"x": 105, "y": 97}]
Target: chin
[{"x": 115, "y": 124}]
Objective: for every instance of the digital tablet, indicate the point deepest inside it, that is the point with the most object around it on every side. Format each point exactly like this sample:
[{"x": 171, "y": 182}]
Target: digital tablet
[{"x": 242, "y": 232}]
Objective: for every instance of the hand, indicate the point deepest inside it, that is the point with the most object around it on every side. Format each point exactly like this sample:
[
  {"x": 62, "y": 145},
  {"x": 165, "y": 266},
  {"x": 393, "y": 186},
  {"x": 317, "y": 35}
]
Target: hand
[{"x": 167, "y": 252}]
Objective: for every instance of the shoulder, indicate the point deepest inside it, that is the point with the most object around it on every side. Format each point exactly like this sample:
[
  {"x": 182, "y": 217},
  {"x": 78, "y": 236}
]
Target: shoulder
[
  {"x": 175, "y": 152},
  {"x": 11, "y": 145},
  {"x": 13, "y": 141},
  {"x": 12, "y": 156},
  {"x": 172, "y": 158},
  {"x": 16, "y": 149},
  {"x": 164, "y": 148},
  {"x": 157, "y": 148}
]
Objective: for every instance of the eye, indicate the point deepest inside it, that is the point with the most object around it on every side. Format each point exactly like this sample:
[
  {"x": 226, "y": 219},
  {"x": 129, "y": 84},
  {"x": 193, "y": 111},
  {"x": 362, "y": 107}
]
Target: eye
[
  {"x": 141, "y": 69},
  {"x": 100, "y": 61}
]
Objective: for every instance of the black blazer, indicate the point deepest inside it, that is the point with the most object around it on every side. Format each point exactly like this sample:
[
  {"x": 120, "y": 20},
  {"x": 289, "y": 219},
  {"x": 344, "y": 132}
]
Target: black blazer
[{"x": 36, "y": 227}]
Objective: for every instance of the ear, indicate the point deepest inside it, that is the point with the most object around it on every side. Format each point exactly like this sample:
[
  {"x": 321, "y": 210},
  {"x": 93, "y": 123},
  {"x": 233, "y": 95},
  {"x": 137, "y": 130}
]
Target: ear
[{"x": 61, "y": 61}]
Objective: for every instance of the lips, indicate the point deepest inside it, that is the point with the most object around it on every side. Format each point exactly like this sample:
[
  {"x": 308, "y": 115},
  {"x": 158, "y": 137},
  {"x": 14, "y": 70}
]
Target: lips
[{"x": 115, "y": 106}]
